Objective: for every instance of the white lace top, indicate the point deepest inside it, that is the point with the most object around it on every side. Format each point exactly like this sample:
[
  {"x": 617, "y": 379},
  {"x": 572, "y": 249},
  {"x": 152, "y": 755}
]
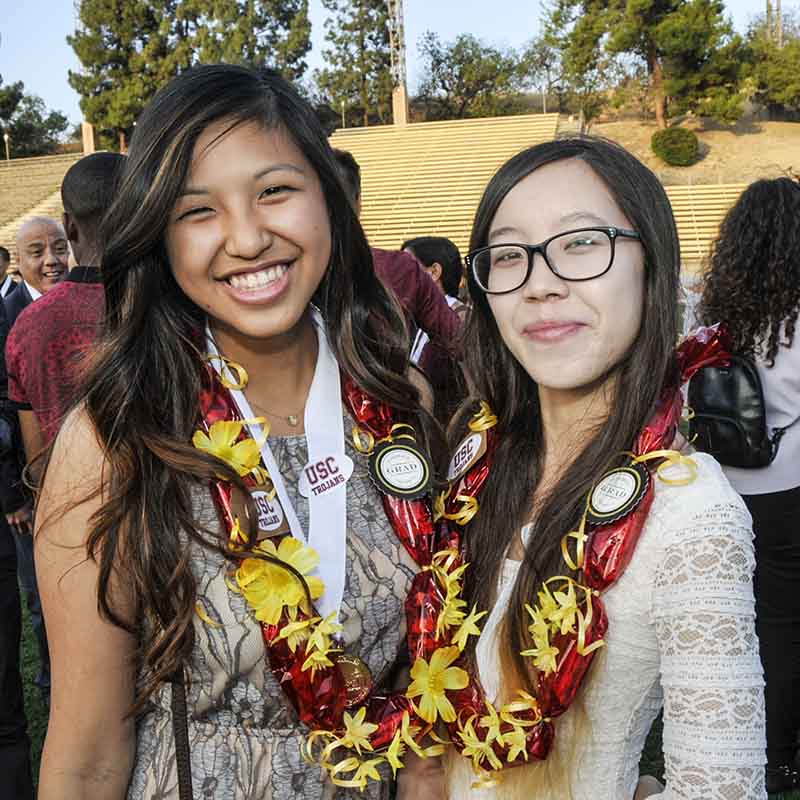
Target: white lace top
[{"x": 681, "y": 635}]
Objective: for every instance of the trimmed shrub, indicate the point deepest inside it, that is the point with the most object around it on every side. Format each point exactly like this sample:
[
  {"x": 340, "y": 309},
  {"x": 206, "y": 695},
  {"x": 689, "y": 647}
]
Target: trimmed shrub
[{"x": 676, "y": 146}]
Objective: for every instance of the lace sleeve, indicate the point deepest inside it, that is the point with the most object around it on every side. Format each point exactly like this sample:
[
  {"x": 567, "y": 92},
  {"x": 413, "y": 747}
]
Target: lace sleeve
[{"x": 703, "y": 610}]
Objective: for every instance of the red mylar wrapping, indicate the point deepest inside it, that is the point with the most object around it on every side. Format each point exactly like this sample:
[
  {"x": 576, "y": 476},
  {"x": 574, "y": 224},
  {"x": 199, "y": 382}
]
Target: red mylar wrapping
[
  {"x": 216, "y": 405},
  {"x": 372, "y": 415},
  {"x": 704, "y": 347},
  {"x": 319, "y": 701},
  {"x": 423, "y": 604},
  {"x": 386, "y": 711},
  {"x": 413, "y": 523},
  {"x": 558, "y": 689},
  {"x": 539, "y": 741},
  {"x": 611, "y": 546},
  {"x": 659, "y": 433}
]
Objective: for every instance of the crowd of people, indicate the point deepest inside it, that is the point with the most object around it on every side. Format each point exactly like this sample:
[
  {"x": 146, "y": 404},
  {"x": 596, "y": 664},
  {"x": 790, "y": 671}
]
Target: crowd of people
[{"x": 296, "y": 517}]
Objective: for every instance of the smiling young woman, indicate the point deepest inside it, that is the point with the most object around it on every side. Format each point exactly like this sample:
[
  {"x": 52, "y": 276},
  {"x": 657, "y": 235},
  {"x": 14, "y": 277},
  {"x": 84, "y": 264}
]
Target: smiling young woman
[
  {"x": 219, "y": 473},
  {"x": 591, "y": 534}
]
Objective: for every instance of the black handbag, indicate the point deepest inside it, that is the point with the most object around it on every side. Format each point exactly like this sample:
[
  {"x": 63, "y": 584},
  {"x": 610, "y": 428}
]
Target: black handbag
[
  {"x": 180, "y": 728},
  {"x": 729, "y": 417}
]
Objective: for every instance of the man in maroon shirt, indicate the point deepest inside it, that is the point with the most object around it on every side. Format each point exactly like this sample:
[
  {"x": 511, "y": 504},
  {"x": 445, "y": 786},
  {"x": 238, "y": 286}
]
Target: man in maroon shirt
[
  {"x": 404, "y": 275},
  {"x": 48, "y": 341}
]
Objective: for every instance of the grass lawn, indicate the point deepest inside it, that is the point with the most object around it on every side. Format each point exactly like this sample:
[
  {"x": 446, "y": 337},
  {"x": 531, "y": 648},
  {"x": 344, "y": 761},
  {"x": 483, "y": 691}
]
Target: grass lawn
[{"x": 652, "y": 759}]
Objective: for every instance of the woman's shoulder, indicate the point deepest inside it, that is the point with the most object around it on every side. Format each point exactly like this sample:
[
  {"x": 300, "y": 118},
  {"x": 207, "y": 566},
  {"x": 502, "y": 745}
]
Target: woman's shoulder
[{"x": 695, "y": 500}]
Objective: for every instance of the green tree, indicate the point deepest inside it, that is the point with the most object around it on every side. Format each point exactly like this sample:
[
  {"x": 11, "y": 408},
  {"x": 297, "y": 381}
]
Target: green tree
[
  {"x": 10, "y": 97},
  {"x": 35, "y": 130},
  {"x": 690, "y": 51},
  {"x": 540, "y": 68},
  {"x": 468, "y": 78},
  {"x": 123, "y": 49},
  {"x": 578, "y": 31},
  {"x": 774, "y": 71},
  {"x": 273, "y": 33},
  {"x": 130, "y": 48},
  {"x": 357, "y": 78}
]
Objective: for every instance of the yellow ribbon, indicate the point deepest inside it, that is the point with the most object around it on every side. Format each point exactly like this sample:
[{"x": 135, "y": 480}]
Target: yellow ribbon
[
  {"x": 583, "y": 621},
  {"x": 359, "y": 436},
  {"x": 672, "y": 458},
  {"x": 483, "y": 419},
  {"x": 203, "y": 614},
  {"x": 438, "y": 504},
  {"x": 580, "y": 537},
  {"x": 365, "y": 442},
  {"x": 240, "y": 373},
  {"x": 469, "y": 508}
]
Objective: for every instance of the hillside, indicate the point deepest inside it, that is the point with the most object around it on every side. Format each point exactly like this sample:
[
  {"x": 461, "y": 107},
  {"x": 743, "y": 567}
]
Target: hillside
[{"x": 729, "y": 154}]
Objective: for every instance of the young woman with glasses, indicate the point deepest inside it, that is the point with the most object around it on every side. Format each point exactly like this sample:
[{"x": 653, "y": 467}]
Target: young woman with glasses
[{"x": 614, "y": 563}]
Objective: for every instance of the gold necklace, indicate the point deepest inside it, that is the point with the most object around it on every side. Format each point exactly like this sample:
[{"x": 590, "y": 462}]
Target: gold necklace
[{"x": 291, "y": 419}]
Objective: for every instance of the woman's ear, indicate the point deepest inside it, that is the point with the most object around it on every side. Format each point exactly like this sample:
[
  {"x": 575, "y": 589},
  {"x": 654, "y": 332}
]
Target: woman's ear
[{"x": 435, "y": 271}]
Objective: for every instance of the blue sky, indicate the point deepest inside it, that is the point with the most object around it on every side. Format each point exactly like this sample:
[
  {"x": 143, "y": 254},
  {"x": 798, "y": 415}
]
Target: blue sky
[{"x": 33, "y": 46}]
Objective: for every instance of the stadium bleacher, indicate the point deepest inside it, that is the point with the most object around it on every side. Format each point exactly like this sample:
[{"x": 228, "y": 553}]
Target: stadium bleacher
[
  {"x": 30, "y": 186},
  {"x": 417, "y": 180}
]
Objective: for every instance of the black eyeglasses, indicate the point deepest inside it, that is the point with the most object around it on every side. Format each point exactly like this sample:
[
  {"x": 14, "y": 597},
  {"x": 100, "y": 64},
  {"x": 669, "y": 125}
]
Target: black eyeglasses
[{"x": 577, "y": 255}]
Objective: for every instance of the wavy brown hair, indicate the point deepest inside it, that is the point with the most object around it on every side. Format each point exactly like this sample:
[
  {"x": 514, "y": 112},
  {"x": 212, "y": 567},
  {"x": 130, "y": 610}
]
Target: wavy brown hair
[
  {"x": 752, "y": 281},
  {"x": 142, "y": 392},
  {"x": 507, "y": 497}
]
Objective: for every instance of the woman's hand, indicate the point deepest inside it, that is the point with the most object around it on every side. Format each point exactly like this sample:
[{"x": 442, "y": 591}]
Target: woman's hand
[{"x": 421, "y": 779}]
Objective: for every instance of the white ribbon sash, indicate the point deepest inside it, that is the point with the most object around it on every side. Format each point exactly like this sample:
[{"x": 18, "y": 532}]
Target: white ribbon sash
[{"x": 324, "y": 478}]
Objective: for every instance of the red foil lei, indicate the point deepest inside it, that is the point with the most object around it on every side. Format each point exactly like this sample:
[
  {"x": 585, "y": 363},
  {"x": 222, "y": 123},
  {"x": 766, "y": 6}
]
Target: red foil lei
[
  {"x": 321, "y": 700},
  {"x": 609, "y": 551}
]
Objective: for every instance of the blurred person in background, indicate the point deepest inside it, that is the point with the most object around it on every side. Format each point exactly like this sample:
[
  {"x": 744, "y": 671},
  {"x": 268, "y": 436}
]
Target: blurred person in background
[
  {"x": 15, "y": 764},
  {"x": 442, "y": 261},
  {"x": 42, "y": 255},
  {"x": 51, "y": 337},
  {"x": 752, "y": 284},
  {"x": 404, "y": 275}
]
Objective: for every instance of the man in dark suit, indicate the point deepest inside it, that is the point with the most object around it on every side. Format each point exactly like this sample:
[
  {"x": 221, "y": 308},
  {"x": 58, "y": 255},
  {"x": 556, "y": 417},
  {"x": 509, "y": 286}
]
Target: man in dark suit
[
  {"x": 15, "y": 765},
  {"x": 43, "y": 254},
  {"x": 6, "y": 281}
]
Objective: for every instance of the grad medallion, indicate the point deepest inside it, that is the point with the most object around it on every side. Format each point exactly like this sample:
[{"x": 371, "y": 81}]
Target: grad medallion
[
  {"x": 400, "y": 469},
  {"x": 617, "y": 493}
]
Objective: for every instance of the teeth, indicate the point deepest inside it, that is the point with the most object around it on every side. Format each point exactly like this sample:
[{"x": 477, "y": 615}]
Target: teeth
[{"x": 257, "y": 280}]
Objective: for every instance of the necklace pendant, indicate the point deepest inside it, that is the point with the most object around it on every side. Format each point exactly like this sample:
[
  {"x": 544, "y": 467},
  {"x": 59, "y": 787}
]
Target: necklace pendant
[{"x": 292, "y": 420}]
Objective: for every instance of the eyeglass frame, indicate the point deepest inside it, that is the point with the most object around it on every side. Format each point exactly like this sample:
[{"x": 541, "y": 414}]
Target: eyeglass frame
[{"x": 611, "y": 231}]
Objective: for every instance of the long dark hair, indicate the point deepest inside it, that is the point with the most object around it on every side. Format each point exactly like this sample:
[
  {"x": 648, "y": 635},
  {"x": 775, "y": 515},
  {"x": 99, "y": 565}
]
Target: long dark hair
[
  {"x": 752, "y": 281},
  {"x": 143, "y": 389},
  {"x": 507, "y": 497}
]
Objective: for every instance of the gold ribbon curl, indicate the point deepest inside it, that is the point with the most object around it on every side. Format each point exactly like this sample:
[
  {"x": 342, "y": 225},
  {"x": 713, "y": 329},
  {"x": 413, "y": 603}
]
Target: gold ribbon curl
[
  {"x": 672, "y": 458},
  {"x": 483, "y": 419},
  {"x": 469, "y": 508},
  {"x": 237, "y": 370}
]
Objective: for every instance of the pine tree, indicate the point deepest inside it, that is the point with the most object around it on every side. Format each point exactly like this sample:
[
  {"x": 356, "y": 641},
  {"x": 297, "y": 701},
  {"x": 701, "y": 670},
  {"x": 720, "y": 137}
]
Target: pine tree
[
  {"x": 690, "y": 51},
  {"x": 128, "y": 49},
  {"x": 358, "y": 77},
  {"x": 123, "y": 48},
  {"x": 272, "y": 33},
  {"x": 578, "y": 30}
]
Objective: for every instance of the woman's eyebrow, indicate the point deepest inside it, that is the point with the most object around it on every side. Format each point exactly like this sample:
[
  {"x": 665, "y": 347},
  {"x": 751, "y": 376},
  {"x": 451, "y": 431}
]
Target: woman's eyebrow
[{"x": 200, "y": 190}]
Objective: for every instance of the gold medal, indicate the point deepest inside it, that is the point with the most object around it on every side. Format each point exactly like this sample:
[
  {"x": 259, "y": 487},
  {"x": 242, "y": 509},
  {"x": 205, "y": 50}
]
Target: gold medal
[{"x": 357, "y": 678}]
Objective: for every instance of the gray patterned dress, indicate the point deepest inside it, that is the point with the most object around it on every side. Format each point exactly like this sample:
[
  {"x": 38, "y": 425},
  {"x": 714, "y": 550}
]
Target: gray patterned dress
[{"x": 245, "y": 738}]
